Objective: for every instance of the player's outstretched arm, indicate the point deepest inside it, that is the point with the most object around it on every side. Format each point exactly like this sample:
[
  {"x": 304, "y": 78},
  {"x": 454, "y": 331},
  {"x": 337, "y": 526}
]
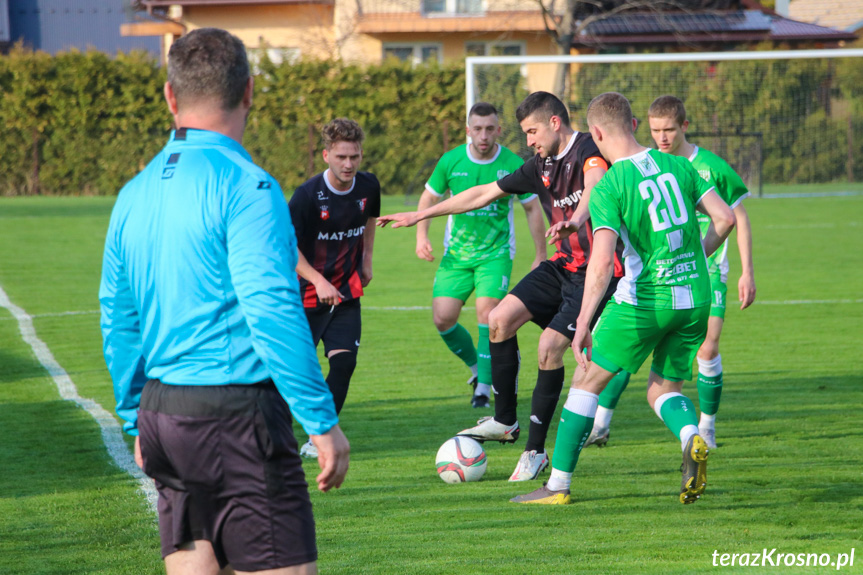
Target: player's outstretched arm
[
  {"x": 721, "y": 220},
  {"x": 327, "y": 292},
  {"x": 746, "y": 284},
  {"x": 368, "y": 250},
  {"x": 536, "y": 225},
  {"x": 424, "y": 250},
  {"x": 333, "y": 457},
  {"x": 470, "y": 199},
  {"x": 600, "y": 268}
]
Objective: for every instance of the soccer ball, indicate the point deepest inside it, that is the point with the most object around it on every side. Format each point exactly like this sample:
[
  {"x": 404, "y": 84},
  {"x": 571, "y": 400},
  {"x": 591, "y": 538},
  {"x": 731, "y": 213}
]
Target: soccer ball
[{"x": 460, "y": 459}]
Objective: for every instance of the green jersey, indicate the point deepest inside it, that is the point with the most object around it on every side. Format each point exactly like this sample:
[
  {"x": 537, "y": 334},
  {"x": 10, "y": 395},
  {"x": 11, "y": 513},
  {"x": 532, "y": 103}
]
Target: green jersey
[
  {"x": 730, "y": 188},
  {"x": 649, "y": 200},
  {"x": 488, "y": 232}
]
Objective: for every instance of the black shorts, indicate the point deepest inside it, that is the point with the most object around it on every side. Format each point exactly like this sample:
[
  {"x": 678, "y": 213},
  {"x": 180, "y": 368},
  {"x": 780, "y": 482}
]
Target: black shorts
[
  {"x": 552, "y": 294},
  {"x": 339, "y": 327},
  {"x": 227, "y": 470}
]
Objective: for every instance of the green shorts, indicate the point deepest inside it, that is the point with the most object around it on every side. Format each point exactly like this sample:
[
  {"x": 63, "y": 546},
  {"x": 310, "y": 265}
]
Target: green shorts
[
  {"x": 458, "y": 279},
  {"x": 625, "y": 335},
  {"x": 719, "y": 289}
]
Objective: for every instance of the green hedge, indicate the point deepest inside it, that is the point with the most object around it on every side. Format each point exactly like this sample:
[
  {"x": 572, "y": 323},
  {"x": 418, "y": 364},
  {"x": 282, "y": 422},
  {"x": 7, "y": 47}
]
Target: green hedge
[{"x": 85, "y": 123}]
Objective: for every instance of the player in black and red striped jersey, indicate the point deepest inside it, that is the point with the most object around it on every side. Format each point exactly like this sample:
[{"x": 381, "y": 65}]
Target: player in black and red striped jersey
[
  {"x": 564, "y": 170},
  {"x": 334, "y": 215}
]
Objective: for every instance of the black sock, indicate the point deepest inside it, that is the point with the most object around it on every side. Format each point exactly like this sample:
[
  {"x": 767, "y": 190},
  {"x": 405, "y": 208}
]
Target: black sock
[
  {"x": 505, "y": 363},
  {"x": 546, "y": 394},
  {"x": 339, "y": 378}
]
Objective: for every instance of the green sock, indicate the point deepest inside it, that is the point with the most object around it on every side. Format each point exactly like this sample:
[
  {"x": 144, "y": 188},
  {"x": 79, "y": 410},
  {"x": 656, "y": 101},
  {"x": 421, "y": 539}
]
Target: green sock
[
  {"x": 459, "y": 341},
  {"x": 612, "y": 392},
  {"x": 709, "y": 392},
  {"x": 484, "y": 359},
  {"x": 571, "y": 435},
  {"x": 677, "y": 411}
]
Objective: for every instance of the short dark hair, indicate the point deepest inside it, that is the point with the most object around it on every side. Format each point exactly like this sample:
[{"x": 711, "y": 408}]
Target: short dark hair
[
  {"x": 208, "y": 64},
  {"x": 668, "y": 107},
  {"x": 610, "y": 110},
  {"x": 482, "y": 109},
  {"x": 342, "y": 130},
  {"x": 544, "y": 105}
]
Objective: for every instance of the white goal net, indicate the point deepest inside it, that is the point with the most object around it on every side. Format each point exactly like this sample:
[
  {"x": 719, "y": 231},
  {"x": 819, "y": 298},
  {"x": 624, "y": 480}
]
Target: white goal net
[{"x": 778, "y": 117}]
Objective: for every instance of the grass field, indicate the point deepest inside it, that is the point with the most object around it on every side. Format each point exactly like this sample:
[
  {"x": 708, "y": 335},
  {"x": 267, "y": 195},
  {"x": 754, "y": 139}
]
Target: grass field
[{"x": 787, "y": 473}]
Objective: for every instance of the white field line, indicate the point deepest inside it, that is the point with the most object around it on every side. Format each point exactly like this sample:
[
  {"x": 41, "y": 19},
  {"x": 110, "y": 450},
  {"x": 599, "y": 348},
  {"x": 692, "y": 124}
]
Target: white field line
[{"x": 112, "y": 433}]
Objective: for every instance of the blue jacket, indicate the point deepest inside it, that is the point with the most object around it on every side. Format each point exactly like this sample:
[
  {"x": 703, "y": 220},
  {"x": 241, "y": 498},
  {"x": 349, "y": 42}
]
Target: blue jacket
[{"x": 199, "y": 284}]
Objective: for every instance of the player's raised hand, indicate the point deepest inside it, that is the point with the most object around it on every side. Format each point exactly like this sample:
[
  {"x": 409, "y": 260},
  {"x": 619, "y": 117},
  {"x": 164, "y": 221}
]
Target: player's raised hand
[
  {"x": 746, "y": 290},
  {"x": 560, "y": 231},
  {"x": 327, "y": 292},
  {"x": 400, "y": 220},
  {"x": 333, "y": 458},
  {"x": 425, "y": 249},
  {"x": 582, "y": 345}
]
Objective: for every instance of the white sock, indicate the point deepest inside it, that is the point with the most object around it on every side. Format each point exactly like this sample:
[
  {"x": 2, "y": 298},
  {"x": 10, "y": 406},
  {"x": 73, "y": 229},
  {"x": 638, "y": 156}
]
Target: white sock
[
  {"x": 686, "y": 433},
  {"x": 559, "y": 480},
  {"x": 710, "y": 367},
  {"x": 474, "y": 370},
  {"x": 483, "y": 389},
  {"x": 602, "y": 420},
  {"x": 657, "y": 405},
  {"x": 581, "y": 402},
  {"x": 707, "y": 421}
]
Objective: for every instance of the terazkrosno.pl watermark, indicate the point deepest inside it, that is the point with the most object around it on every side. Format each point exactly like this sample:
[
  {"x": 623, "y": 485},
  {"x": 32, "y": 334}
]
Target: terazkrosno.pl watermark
[{"x": 774, "y": 558}]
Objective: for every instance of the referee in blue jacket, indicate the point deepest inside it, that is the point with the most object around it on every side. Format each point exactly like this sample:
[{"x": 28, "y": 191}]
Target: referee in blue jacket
[{"x": 205, "y": 335}]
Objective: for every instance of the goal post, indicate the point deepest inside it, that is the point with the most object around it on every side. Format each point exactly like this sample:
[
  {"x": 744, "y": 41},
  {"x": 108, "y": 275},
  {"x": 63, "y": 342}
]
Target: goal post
[{"x": 778, "y": 117}]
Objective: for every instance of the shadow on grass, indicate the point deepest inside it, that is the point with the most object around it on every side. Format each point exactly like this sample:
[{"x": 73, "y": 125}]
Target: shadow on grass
[
  {"x": 15, "y": 367},
  {"x": 56, "y": 446}
]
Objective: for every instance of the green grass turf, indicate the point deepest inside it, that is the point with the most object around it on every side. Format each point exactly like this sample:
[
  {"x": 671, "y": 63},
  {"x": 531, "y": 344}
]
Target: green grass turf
[{"x": 787, "y": 472}]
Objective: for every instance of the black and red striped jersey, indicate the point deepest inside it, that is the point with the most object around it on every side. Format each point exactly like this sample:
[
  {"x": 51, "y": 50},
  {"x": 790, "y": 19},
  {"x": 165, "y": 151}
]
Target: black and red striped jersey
[
  {"x": 559, "y": 181},
  {"x": 330, "y": 226}
]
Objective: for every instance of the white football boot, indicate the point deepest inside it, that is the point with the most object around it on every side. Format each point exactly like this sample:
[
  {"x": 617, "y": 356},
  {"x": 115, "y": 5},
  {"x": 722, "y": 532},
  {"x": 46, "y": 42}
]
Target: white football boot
[
  {"x": 309, "y": 450},
  {"x": 487, "y": 429},
  {"x": 530, "y": 465}
]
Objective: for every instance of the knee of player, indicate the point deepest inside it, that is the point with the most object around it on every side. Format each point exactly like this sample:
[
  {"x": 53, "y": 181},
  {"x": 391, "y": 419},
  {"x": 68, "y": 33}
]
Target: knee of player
[
  {"x": 552, "y": 346},
  {"x": 443, "y": 323},
  {"x": 345, "y": 360},
  {"x": 500, "y": 325},
  {"x": 708, "y": 350}
]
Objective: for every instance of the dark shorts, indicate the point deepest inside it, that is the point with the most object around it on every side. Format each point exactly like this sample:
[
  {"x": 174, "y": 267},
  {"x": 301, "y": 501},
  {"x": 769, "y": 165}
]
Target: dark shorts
[
  {"x": 227, "y": 470},
  {"x": 339, "y": 327},
  {"x": 552, "y": 294}
]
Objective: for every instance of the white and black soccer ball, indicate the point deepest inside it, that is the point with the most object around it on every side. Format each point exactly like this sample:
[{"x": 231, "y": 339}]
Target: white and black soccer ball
[{"x": 460, "y": 459}]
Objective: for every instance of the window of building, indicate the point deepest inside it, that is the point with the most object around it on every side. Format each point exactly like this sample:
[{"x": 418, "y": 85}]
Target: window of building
[
  {"x": 275, "y": 55},
  {"x": 495, "y": 49},
  {"x": 452, "y": 7},
  {"x": 414, "y": 53}
]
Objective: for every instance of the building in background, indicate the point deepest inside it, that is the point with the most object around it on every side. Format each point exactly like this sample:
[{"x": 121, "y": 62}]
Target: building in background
[
  {"x": 844, "y": 15},
  {"x": 55, "y": 25}
]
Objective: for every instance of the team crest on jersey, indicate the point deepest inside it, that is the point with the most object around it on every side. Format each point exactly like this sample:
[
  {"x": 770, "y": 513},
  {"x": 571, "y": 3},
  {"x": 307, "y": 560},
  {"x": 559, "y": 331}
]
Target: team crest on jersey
[
  {"x": 546, "y": 181},
  {"x": 646, "y": 165},
  {"x": 325, "y": 212},
  {"x": 705, "y": 175},
  {"x": 362, "y": 204},
  {"x": 502, "y": 173}
]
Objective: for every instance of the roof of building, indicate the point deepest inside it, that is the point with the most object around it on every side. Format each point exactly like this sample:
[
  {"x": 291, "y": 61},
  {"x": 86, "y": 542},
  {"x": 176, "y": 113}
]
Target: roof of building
[{"x": 699, "y": 28}]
